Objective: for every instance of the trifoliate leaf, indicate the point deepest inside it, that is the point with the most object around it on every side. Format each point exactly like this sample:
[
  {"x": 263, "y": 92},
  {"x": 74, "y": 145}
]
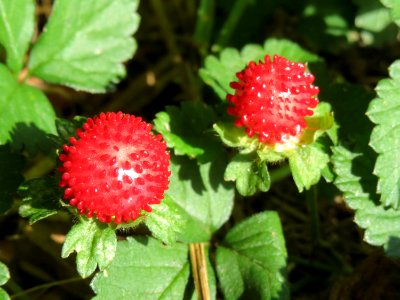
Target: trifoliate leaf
[
  {"x": 219, "y": 72},
  {"x": 4, "y": 277},
  {"x": 307, "y": 163},
  {"x": 394, "y": 7},
  {"x": 187, "y": 130},
  {"x": 11, "y": 166},
  {"x": 164, "y": 221},
  {"x": 203, "y": 199},
  {"x": 40, "y": 199},
  {"x": 85, "y": 42},
  {"x": 144, "y": 268},
  {"x": 251, "y": 261},
  {"x": 17, "y": 19},
  {"x": 26, "y": 115},
  {"x": 249, "y": 174},
  {"x": 385, "y": 138},
  {"x": 95, "y": 244},
  {"x": 355, "y": 180}
]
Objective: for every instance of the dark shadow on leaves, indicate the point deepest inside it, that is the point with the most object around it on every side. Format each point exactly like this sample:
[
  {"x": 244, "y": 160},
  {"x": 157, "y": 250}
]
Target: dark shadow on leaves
[
  {"x": 189, "y": 171},
  {"x": 349, "y": 104},
  {"x": 31, "y": 138},
  {"x": 393, "y": 247},
  {"x": 11, "y": 166}
]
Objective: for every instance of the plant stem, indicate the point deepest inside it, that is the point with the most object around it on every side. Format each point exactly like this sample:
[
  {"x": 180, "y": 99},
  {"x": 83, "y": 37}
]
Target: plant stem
[
  {"x": 230, "y": 24},
  {"x": 46, "y": 286},
  {"x": 204, "y": 24},
  {"x": 279, "y": 173},
  {"x": 199, "y": 269},
  {"x": 312, "y": 198}
]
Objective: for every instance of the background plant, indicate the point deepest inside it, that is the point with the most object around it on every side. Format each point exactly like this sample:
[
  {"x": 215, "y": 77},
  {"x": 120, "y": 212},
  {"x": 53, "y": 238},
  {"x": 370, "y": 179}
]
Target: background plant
[{"x": 171, "y": 62}]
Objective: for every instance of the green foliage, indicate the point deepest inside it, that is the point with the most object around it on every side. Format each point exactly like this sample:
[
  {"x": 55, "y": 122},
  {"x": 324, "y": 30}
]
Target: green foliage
[
  {"x": 377, "y": 27},
  {"x": 16, "y": 29},
  {"x": 164, "y": 221},
  {"x": 40, "y": 199},
  {"x": 394, "y": 6},
  {"x": 11, "y": 166},
  {"x": 94, "y": 243},
  {"x": 4, "y": 277},
  {"x": 203, "y": 200},
  {"x": 251, "y": 261},
  {"x": 306, "y": 164},
  {"x": 88, "y": 53},
  {"x": 249, "y": 174},
  {"x": 66, "y": 129},
  {"x": 355, "y": 180},
  {"x": 385, "y": 138},
  {"x": 219, "y": 72},
  {"x": 187, "y": 130},
  {"x": 26, "y": 116},
  {"x": 144, "y": 268}
]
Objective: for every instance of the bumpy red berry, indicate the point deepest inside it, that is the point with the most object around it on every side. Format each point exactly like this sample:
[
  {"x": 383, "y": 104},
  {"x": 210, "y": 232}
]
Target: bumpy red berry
[
  {"x": 272, "y": 99},
  {"x": 115, "y": 168}
]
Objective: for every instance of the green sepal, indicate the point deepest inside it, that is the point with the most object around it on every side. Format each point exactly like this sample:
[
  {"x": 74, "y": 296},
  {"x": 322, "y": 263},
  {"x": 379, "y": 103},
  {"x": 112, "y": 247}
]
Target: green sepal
[
  {"x": 249, "y": 174},
  {"x": 95, "y": 244},
  {"x": 306, "y": 163}
]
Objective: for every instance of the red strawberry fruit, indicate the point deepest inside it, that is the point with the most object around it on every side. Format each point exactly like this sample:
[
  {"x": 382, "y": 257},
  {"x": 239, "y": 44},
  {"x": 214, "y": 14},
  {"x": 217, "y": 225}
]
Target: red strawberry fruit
[
  {"x": 272, "y": 99},
  {"x": 115, "y": 168}
]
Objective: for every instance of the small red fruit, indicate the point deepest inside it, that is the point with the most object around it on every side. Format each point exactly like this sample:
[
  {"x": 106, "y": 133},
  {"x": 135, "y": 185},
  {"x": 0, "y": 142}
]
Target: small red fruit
[
  {"x": 115, "y": 168},
  {"x": 272, "y": 99}
]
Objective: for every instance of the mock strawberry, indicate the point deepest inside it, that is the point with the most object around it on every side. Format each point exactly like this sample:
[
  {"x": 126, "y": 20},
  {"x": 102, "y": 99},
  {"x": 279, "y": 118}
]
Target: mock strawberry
[
  {"x": 115, "y": 168},
  {"x": 272, "y": 99}
]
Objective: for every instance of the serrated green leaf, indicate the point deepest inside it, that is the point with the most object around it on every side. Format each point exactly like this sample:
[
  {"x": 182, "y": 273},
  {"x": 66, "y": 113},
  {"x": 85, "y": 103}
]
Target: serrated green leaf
[
  {"x": 85, "y": 42},
  {"x": 164, "y": 221},
  {"x": 385, "y": 138},
  {"x": 17, "y": 19},
  {"x": 40, "y": 199},
  {"x": 144, "y": 268},
  {"x": 11, "y": 166},
  {"x": 94, "y": 243},
  {"x": 187, "y": 130},
  {"x": 394, "y": 7},
  {"x": 251, "y": 261},
  {"x": 250, "y": 175},
  {"x": 306, "y": 163},
  {"x": 204, "y": 201},
  {"x": 355, "y": 180},
  {"x": 219, "y": 72},
  {"x": 26, "y": 115}
]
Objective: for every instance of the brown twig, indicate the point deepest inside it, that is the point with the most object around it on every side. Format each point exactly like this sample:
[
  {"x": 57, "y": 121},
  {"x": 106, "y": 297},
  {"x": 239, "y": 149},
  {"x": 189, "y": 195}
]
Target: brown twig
[{"x": 199, "y": 270}]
